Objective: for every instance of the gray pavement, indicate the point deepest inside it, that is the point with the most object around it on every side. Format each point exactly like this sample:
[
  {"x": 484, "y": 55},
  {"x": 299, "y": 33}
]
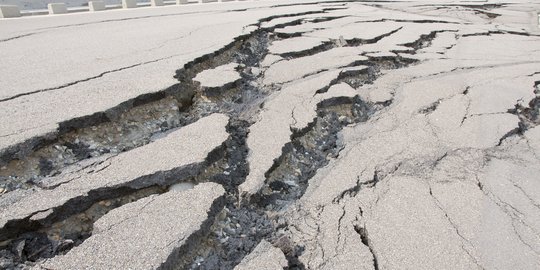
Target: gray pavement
[{"x": 345, "y": 135}]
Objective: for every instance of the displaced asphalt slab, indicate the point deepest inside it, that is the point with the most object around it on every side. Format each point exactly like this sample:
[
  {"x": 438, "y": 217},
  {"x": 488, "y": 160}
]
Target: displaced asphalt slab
[{"x": 160, "y": 223}]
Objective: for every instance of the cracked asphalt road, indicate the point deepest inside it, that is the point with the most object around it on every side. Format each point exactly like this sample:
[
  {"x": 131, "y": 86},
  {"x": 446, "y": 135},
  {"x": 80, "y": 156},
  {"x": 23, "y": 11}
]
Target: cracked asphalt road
[{"x": 273, "y": 134}]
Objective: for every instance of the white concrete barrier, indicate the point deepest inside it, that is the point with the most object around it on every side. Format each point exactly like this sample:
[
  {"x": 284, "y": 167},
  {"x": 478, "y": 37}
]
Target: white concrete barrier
[
  {"x": 9, "y": 11},
  {"x": 57, "y": 8},
  {"x": 207, "y": 1},
  {"x": 129, "y": 3},
  {"x": 96, "y": 5},
  {"x": 181, "y": 2},
  {"x": 156, "y": 3}
]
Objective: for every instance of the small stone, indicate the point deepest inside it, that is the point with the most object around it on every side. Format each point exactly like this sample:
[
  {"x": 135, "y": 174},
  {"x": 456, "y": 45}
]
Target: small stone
[
  {"x": 64, "y": 245},
  {"x": 230, "y": 231},
  {"x": 224, "y": 240},
  {"x": 19, "y": 247},
  {"x": 255, "y": 71},
  {"x": 182, "y": 186},
  {"x": 341, "y": 41}
]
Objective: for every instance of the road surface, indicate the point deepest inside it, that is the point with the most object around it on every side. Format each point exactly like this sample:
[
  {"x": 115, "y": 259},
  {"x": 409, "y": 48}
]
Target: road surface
[{"x": 272, "y": 134}]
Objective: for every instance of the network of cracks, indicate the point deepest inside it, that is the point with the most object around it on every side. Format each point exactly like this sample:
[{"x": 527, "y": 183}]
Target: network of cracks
[{"x": 232, "y": 231}]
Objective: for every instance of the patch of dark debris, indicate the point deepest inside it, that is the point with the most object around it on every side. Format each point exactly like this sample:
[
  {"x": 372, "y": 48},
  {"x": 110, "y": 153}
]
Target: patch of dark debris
[
  {"x": 431, "y": 108},
  {"x": 424, "y": 41},
  {"x": 529, "y": 116},
  {"x": 235, "y": 230}
]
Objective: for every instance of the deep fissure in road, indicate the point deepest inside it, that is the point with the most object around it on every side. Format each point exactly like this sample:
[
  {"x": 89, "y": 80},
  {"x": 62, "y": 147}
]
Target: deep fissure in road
[
  {"x": 149, "y": 117},
  {"x": 234, "y": 231},
  {"x": 133, "y": 123}
]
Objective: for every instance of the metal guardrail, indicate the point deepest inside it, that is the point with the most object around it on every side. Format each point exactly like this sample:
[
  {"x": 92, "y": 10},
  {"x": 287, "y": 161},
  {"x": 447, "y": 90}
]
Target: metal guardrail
[{"x": 13, "y": 11}]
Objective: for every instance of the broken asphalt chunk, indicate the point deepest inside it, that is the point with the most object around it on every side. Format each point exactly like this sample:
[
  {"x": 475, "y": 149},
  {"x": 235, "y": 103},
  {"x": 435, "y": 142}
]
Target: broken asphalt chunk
[{"x": 180, "y": 154}]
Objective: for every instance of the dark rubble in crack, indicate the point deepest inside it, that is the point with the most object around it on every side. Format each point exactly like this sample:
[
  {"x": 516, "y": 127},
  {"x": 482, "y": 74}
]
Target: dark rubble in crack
[
  {"x": 309, "y": 150},
  {"x": 529, "y": 116}
]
